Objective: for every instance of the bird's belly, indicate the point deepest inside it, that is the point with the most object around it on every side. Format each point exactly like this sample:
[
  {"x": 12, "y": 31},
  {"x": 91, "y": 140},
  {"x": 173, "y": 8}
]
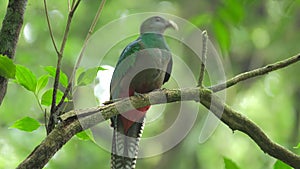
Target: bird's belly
[
  {"x": 151, "y": 66},
  {"x": 147, "y": 80}
]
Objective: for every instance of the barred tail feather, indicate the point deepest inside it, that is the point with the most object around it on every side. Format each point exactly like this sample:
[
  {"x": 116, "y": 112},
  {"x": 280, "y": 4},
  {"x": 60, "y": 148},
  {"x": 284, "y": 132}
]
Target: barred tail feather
[{"x": 125, "y": 147}]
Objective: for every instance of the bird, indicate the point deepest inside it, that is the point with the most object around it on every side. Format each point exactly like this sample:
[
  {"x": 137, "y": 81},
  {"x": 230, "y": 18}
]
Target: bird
[{"x": 143, "y": 66}]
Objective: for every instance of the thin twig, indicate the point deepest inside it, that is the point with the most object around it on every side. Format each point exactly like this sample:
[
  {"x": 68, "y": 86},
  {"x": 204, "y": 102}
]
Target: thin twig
[
  {"x": 67, "y": 29},
  {"x": 53, "y": 108},
  {"x": 50, "y": 28},
  {"x": 72, "y": 5},
  {"x": 69, "y": 5},
  {"x": 64, "y": 96},
  {"x": 43, "y": 110},
  {"x": 203, "y": 58},
  {"x": 256, "y": 72},
  {"x": 60, "y": 55},
  {"x": 92, "y": 27},
  {"x": 91, "y": 30},
  {"x": 45, "y": 120},
  {"x": 38, "y": 101}
]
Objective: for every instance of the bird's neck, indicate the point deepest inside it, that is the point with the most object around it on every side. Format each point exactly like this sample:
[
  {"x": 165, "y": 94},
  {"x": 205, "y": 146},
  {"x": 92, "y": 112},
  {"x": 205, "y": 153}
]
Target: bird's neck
[{"x": 154, "y": 40}]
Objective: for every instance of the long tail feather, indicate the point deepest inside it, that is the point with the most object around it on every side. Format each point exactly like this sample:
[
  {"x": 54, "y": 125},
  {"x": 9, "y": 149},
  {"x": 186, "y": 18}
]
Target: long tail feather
[{"x": 125, "y": 146}]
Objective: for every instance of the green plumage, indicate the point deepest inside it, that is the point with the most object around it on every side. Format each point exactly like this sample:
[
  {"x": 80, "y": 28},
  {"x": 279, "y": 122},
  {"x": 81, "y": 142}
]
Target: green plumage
[
  {"x": 144, "y": 65},
  {"x": 146, "y": 42}
]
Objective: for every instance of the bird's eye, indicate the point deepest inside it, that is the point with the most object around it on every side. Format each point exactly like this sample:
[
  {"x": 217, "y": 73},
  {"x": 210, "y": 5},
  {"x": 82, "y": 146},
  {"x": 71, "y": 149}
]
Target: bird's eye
[{"x": 157, "y": 19}]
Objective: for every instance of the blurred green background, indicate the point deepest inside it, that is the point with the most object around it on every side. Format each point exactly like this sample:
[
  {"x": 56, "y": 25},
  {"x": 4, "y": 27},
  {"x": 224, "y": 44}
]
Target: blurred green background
[{"x": 247, "y": 33}]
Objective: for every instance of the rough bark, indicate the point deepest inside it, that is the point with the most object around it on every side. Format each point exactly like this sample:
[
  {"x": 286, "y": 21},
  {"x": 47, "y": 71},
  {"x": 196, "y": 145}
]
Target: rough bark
[
  {"x": 9, "y": 34},
  {"x": 71, "y": 125}
]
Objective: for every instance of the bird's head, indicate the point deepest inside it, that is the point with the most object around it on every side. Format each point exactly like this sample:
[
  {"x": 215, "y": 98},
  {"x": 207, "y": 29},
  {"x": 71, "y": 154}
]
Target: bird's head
[{"x": 157, "y": 24}]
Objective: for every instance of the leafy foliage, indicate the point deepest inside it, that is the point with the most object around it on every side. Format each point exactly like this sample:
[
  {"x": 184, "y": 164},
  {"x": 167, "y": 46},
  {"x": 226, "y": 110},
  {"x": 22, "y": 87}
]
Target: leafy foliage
[
  {"x": 7, "y": 67},
  {"x": 42, "y": 82},
  {"x": 281, "y": 165},
  {"x": 27, "y": 124},
  {"x": 88, "y": 76},
  {"x": 63, "y": 78},
  {"x": 26, "y": 78},
  {"x": 229, "y": 164},
  {"x": 47, "y": 97},
  {"x": 86, "y": 135},
  {"x": 223, "y": 36}
]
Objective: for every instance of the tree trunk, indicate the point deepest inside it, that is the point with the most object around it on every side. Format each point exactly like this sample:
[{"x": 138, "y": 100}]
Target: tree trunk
[{"x": 9, "y": 34}]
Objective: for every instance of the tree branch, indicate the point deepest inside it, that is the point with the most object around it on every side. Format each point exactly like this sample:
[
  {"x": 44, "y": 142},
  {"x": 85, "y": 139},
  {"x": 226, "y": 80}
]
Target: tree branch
[
  {"x": 87, "y": 38},
  {"x": 203, "y": 58},
  {"x": 256, "y": 72},
  {"x": 237, "y": 121},
  {"x": 53, "y": 108},
  {"x": 50, "y": 145},
  {"x": 50, "y": 28},
  {"x": 71, "y": 125},
  {"x": 9, "y": 35}
]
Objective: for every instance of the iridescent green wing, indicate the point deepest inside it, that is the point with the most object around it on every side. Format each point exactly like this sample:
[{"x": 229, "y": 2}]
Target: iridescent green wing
[{"x": 129, "y": 57}]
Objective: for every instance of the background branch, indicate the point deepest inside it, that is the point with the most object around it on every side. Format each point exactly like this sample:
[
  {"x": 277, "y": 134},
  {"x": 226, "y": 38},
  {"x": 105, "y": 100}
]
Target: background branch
[
  {"x": 50, "y": 28},
  {"x": 91, "y": 30},
  {"x": 53, "y": 109},
  {"x": 9, "y": 35},
  {"x": 256, "y": 72},
  {"x": 203, "y": 58},
  {"x": 237, "y": 121}
]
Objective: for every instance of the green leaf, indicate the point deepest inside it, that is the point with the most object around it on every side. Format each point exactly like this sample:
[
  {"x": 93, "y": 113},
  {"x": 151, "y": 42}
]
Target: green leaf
[
  {"x": 27, "y": 124},
  {"x": 63, "y": 78},
  {"x": 26, "y": 78},
  {"x": 232, "y": 11},
  {"x": 222, "y": 35},
  {"x": 42, "y": 82},
  {"x": 229, "y": 164},
  {"x": 47, "y": 97},
  {"x": 7, "y": 67},
  {"x": 281, "y": 165},
  {"x": 79, "y": 71},
  {"x": 86, "y": 135},
  {"x": 88, "y": 76},
  {"x": 201, "y": 20},
  {"x": 298, "y": 146}
]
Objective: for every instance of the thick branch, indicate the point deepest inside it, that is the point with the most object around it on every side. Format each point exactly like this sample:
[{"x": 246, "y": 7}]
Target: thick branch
[
  {"x": 255, "y": 72},
  {"x": 51, "y": 144},
  {"x": 90, "y": 117},
  {"x": 9, "y": 34},
  {"x": 237, "y": 121}
]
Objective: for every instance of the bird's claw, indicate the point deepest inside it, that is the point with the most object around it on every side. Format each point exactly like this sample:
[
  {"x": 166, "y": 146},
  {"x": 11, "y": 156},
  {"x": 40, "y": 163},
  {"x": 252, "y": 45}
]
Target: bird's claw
[{"x": 138, "y": 94}]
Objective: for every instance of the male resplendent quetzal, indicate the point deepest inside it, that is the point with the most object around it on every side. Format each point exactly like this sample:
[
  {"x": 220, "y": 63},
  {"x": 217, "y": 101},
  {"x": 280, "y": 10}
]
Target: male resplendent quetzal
[{"x": 144, "y": 65}]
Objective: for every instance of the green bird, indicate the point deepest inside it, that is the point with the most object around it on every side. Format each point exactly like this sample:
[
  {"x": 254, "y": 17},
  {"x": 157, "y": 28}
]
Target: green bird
[{"x": 144, "y": 65}]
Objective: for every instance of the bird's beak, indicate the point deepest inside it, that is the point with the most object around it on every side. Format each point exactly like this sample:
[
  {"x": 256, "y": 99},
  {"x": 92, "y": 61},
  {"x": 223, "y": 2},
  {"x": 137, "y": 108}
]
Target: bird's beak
[{"x": 172, "y": 24}]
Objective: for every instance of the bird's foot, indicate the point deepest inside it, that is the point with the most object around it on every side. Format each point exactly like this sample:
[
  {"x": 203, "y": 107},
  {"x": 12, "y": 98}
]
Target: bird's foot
[
  {"x": 111, "y": 101},
  {"x": 138, "y": 94},
  {"x": 159, "y": 90}
]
